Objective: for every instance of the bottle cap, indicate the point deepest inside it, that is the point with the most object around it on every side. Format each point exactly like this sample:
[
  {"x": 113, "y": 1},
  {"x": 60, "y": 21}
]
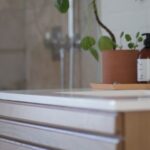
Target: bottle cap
[{"x": 147, "y": 40}]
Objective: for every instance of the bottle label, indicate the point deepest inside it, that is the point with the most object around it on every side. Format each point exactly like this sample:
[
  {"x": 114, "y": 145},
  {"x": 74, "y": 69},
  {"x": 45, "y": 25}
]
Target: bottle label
[{"x": 143, "y": 70}]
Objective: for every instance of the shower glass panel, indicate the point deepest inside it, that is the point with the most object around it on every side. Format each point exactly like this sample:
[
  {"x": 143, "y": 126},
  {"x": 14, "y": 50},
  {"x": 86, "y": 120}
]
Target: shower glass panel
[{"x": 28, "y": 60}]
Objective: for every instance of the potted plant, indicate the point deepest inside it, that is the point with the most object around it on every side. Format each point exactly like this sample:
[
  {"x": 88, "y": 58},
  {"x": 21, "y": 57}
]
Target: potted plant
[{"x": 118, "y": 66}]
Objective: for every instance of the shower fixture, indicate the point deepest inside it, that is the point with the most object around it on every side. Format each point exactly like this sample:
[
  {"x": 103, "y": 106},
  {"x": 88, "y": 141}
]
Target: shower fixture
[
  {"x": 54, "y": 41},
  {"x": 58, "y": 44}
]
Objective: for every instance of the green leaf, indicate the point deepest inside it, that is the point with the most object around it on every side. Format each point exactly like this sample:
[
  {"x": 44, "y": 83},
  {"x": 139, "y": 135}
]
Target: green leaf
[
  {"x": 140, "y": 39},
  {"x": 137, "y": 34},
  {"x": 94, "y": 53},
  {"x": 131, "y": 45},
  {"x": 87, "y": 42},
  {"x": 105, "y": 43},
  {"x": 121, "y": 35},
  {"x": 62, "y": 5},
  {"x": 128, "y": 37}
]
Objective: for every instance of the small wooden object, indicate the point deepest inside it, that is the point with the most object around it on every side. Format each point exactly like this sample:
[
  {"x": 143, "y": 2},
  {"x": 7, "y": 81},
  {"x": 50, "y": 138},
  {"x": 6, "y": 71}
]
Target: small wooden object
[{"x": 120, "y": 86}]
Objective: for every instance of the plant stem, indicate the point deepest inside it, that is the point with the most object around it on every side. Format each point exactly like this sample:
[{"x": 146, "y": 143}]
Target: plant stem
[{"x": 100, "y": 22}]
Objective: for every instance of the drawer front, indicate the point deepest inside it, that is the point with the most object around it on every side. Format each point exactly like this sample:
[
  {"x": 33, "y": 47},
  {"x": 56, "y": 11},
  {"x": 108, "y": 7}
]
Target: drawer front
[
  {"x": 12, "y": 145},
  {"x": 87, "y": 120},
  {"x": 57, "y": 138}
]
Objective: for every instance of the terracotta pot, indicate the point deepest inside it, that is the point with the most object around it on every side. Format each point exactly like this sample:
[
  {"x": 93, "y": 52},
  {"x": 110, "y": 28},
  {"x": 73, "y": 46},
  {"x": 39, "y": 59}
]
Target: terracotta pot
[{"x": 119, "y": 66}]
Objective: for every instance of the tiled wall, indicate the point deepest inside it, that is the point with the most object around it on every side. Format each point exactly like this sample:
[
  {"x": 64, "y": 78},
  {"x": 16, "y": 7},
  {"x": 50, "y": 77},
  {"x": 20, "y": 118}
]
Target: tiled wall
[
  {"x": 12, "y": 44},
  {"x": 130, "y": 16},
  {"x": 42, "y": 70}
]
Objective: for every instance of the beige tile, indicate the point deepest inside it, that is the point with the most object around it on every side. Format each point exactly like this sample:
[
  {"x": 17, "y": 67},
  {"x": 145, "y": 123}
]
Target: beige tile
[
  {"x": 12, "y": 28},
  {"x": 11, "y": 4},
  {"x": 12, "y": 66}
]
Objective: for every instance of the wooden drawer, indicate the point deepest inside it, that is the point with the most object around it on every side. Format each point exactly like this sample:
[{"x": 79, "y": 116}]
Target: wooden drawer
[
  {"x": 74, "y": 119},
  {"x": 12, "y": 145},
  {"x": 57, "y": 138}
]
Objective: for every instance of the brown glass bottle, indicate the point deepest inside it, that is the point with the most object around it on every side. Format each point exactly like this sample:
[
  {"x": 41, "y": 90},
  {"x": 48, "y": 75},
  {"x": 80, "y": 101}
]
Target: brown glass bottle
[{"x": 143, "y": 62}]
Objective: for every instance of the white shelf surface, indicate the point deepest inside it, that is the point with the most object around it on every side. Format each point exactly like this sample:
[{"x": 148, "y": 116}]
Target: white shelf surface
[{"x": 107, "y": 100}]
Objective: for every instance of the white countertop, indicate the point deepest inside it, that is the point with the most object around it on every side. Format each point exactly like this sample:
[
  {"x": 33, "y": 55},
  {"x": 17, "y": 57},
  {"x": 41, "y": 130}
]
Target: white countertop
[{"x": 125, "y": 100}]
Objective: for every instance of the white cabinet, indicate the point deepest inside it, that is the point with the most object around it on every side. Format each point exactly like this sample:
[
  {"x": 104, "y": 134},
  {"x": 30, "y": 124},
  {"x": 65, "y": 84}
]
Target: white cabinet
[{"x": 36, "y": 124}]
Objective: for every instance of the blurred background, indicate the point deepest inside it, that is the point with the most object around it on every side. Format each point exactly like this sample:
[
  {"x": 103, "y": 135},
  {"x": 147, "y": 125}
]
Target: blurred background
[{"x": 35, "y": 46}]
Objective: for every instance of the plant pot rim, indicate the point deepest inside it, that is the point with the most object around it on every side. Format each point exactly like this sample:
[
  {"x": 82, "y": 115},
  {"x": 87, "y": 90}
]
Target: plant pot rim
[{"x": 121, "y": 51}]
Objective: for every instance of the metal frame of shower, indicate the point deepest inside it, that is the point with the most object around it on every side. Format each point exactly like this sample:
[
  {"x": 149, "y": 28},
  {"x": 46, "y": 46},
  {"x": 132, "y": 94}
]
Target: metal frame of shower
[{"x": 71, "y": 36}]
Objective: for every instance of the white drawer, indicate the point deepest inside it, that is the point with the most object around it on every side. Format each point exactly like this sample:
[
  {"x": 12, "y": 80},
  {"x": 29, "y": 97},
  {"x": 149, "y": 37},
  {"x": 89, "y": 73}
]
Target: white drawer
[
  {"x": 57, "y": 138},
  {"x": 12, "y": 145},
  {"x": 88, "y": 120}
]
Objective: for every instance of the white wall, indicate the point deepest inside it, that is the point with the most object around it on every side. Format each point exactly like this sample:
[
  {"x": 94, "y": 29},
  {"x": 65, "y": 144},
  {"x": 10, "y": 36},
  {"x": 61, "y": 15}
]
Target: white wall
[{"x": 126, "y": 15}]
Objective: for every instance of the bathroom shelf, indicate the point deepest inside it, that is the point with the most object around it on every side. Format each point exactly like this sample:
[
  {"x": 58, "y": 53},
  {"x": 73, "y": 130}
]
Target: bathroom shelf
[{"x": 120, "y": 86}]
